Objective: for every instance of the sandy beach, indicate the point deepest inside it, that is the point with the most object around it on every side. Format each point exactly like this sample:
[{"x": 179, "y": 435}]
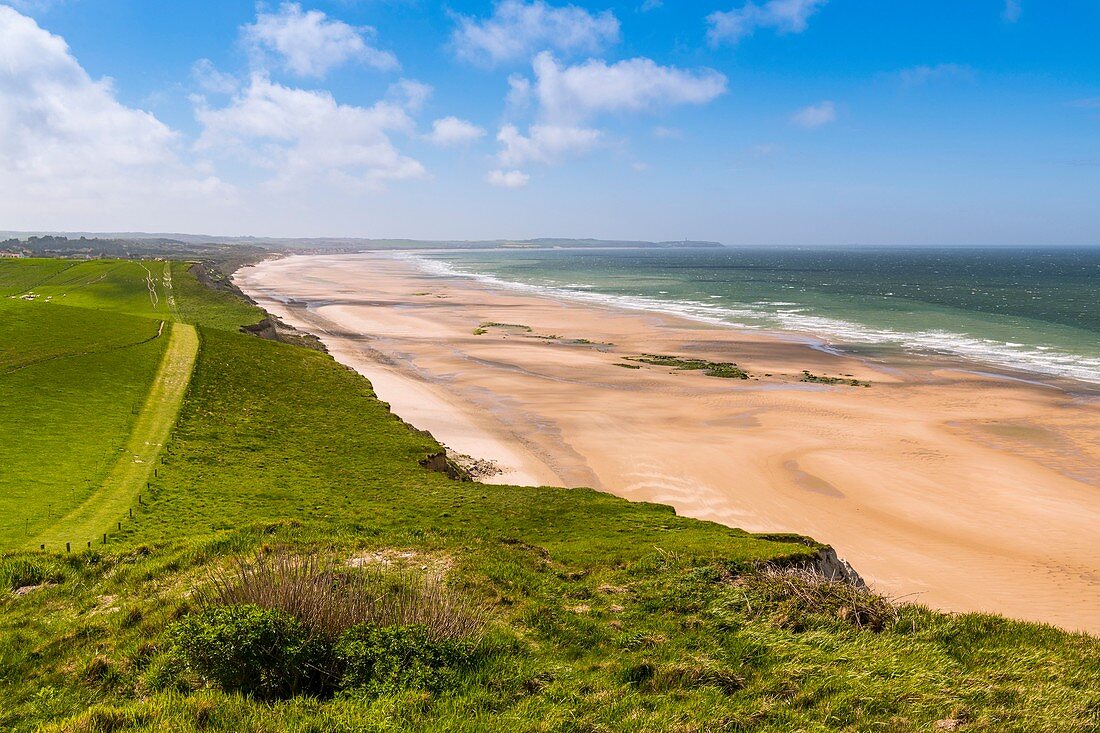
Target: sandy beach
[{"x": 943, "y": 482}]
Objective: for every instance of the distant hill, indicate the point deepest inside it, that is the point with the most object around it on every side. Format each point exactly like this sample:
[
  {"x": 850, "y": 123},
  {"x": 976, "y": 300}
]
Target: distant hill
[{"x": 151, "y": 245}]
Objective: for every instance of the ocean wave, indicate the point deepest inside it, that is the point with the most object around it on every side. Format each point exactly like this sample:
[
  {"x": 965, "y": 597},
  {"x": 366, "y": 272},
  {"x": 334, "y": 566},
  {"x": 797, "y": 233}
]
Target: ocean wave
[{"x": 764, "y": 315}]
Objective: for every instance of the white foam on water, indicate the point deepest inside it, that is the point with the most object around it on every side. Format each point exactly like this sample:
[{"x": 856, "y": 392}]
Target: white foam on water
[{"x": 1040, "y": 359}]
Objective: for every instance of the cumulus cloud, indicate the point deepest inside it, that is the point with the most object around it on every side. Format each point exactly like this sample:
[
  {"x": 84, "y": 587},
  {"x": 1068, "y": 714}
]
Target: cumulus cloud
[
  {"x": 634, "y": 85},
  {"x": 1012, "y": 11},
  {"x": 65, "y": 137},
  {"x": 212, "y": 81},
  {"x": 782, "y": 16},
  {"x": 569, "y": 96},
  {"x": 451, "y": 131},
  {"x": 544, "y": 143},
  {"x": 310, "y": 44},
  {"x": 815, "y": 115},
  {"x": 919, "y": 75},
  {"x": 409, "y": 93},
  {"x": 303, "y": 135},
  {"x": 516, "y": 29},
  {"x": 507, "y": 179}
]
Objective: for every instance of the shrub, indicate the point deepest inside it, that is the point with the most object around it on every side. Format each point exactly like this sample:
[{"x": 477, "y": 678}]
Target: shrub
[
  {"x": 330, "y": 599},
  {"x": 797, "y": 599},
  {"x": 261, "y": 652},
  {"x": 399, "y": 657},
  {"x": 288, "y": 625}
]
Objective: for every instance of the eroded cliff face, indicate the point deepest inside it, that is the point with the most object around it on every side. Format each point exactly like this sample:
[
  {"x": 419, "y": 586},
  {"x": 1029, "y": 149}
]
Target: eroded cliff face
[
  {"x": 443, "y": 463},
  {"x": 832, "y": 567}
]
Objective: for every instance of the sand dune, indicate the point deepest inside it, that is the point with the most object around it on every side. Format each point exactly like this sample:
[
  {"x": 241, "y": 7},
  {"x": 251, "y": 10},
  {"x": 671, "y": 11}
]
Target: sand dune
[{"x": 960, "y": 488}]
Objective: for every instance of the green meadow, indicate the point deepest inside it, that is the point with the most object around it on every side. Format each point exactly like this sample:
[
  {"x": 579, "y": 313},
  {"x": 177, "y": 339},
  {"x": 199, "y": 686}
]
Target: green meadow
[{"x": 594, "y": 613}]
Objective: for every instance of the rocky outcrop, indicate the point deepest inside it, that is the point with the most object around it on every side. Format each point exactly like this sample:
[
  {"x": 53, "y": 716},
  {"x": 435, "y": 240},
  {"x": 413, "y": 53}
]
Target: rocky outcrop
[
  {"x": 442, "y": 463},
  {"x": 830, "y": 566},
  {"x": 825, "y": 562}
]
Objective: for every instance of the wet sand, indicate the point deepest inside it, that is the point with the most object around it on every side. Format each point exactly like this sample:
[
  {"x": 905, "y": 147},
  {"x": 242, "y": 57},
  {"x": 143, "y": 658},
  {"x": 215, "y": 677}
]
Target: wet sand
[{"x": 944, "y": 482}]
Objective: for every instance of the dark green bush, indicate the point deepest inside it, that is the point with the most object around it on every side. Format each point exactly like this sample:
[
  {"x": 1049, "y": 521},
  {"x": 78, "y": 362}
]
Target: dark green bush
[
  {"x": 399, "y": 657},
  {"x": 256, "y": 651}
]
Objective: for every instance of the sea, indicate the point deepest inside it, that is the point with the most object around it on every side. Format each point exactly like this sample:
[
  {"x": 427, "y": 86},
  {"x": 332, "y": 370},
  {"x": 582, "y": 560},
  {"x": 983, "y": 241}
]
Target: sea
[{"x": 1030, "y": 310}]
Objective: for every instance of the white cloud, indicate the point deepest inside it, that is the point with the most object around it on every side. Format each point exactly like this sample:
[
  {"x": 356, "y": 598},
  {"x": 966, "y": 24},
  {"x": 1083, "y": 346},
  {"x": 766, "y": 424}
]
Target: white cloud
[
  {"x": 568, "y": 96},
  {"x": 450, "y": 131},
  {"x": 212, "y": 81},
  {"x": 815, "y": 115},
  {"x": 648, "y": 5},
  {"x": 67, "y": 144},
  {"x": 782, "y": 16},
  {"x": 519, "y": 91},
  {"x": 544, "y": 143},
  {"x": 634, "y": 85},
  {"x": 507, "y": 179},
  {"x": 516, "y": 29},
  {"x": 1013, "y": 9},
  {"x": 310, "y": 44},
  {"x": 31, "y": 6},
  {"x": 305, "y": 135},
  {"x": 666, "y": 133},
  {"x": 919, "y": 75},
  {"x": 409, "y": 93}
]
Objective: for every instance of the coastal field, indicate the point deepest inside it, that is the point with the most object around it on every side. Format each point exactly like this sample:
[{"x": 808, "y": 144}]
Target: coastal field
[
  {"x": 589, "y": 612},
  {"x": 959, "y": 486}
]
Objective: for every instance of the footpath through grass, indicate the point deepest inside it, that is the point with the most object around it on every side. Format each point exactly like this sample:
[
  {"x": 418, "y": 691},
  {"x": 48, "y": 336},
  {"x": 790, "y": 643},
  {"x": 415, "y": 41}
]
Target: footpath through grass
[
  {"x": 135, "y": 466},
  {"x": 600, "y": 614},
  {"x": 71, "y": 383},
  {"x": 80, "y": 347}
]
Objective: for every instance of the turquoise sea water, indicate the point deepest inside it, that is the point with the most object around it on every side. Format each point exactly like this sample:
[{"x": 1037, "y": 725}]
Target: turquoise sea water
[{"x": 1036, "y": 310}]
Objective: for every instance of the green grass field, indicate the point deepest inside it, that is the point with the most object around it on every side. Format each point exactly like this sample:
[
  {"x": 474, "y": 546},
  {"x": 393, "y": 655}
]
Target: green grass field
[
  {"x": 80, "y": 347},
  {"x": 603, "y": 615},
  {"x": 72, "y": 383}
]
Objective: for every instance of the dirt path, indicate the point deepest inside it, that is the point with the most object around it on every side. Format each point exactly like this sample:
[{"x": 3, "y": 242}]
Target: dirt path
[
  {"x": 173, "y": 307},
  {"x": 118, "y": 492}
]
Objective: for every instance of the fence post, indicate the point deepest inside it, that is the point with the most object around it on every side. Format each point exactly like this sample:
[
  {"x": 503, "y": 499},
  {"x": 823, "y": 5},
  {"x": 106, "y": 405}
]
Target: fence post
[
  {"x": 68, "y": 547},
  {"x": 104, "y": 538}
]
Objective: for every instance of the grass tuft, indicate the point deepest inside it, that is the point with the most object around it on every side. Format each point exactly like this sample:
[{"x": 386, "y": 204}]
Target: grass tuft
[
  {"x": 329, "y": 598},
  {"x": 797, "y": 599}
]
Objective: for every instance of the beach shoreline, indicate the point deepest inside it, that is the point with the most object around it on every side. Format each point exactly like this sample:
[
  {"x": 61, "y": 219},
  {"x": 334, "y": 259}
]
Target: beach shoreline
[{"x": 957, "y": 485}]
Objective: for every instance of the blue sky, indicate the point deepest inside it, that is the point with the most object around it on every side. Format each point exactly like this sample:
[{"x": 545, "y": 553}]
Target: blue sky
[{"x": 775, "y": 121}]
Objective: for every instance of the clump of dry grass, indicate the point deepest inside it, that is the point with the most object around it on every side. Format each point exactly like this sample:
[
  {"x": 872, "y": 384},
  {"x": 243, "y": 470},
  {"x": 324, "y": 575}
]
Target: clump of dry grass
[
  {"x": 328, "y": 598},
  {"x": 795, "y": 597}
]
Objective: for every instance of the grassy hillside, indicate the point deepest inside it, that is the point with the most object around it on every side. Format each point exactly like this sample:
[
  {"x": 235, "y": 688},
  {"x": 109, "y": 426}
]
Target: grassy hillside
[
  {"x": 81, "y": 343},
  {"x": 595, "y": 614},
  {"x": 71, "y": 381}
]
